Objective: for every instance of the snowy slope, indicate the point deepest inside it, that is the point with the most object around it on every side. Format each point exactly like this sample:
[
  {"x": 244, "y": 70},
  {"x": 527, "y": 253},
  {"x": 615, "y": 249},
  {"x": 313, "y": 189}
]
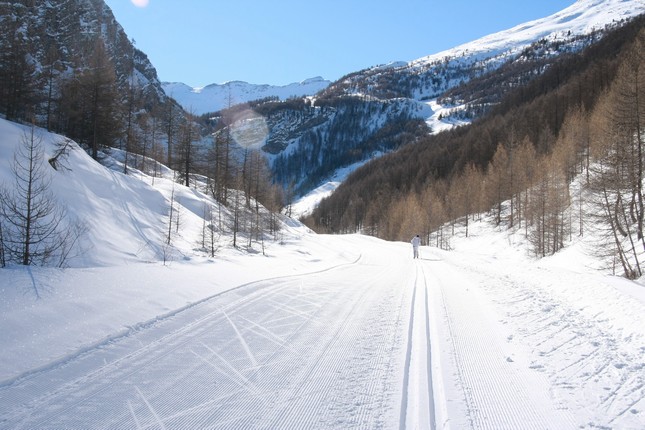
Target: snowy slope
[
  {"x": 319, "y": 332},
  {"x": 214, "y": 97},
  {"x": 582, "y": 17},
  {"x": 126, "y": 216},
  {"x": 431, "y": 76}
]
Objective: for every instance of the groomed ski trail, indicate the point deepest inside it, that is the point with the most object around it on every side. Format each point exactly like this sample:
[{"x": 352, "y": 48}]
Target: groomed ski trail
[
  {"x": 492, "y": 387},
  {"x": 322, "y": 350},
  {"x": 417, "y": 407},
  {"x": 381, "y": 342}
]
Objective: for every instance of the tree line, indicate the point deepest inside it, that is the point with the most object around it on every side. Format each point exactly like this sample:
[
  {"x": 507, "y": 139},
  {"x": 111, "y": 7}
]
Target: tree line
[{"x": 553, "y": 159}]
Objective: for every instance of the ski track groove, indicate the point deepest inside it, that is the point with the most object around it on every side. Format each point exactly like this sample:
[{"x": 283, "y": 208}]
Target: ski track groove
[
  {"x": 408, "y": 358},
  {"x": 417, "y": 411},
  {"x": 430, "y": 384},
  {"x": 491, "y": 386}
]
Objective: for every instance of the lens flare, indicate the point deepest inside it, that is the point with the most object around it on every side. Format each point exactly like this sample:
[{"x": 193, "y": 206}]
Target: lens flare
[{"x": 249, "y": 129}]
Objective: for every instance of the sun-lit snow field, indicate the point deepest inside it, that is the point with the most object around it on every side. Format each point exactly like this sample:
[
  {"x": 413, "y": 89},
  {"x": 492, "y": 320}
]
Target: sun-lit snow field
[{"x": 330, "y": 332}]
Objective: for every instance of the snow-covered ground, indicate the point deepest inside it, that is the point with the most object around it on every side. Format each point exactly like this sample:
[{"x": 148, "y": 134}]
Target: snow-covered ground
[
  {"x": 318, "y": 332},
  {"x": 305, "y": 204}
]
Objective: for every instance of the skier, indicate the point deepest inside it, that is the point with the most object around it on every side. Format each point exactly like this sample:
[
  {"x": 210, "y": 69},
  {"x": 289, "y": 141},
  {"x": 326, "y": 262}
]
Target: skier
[{"x": 416, "y": 241}]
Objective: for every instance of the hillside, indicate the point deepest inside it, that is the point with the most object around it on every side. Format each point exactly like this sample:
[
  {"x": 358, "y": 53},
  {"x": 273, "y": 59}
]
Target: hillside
[
  {"x": 442, "y": 90},
  {"x": 68, "y": 66},
  {"x": 131, "y": 218},
  {"x": 519, "y": 162},
  {"x": 59, "y": 35}
]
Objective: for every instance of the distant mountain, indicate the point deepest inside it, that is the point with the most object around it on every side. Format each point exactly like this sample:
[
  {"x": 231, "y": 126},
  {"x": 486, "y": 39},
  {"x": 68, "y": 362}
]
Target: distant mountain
[{"x": 215, "y": 97}]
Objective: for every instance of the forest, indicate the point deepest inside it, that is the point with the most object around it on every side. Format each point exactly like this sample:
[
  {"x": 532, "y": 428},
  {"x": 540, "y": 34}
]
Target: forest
[{"x": 555, "y": 158}]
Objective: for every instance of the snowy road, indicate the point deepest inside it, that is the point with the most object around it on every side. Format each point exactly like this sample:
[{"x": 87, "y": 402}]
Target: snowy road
[{"x": 381, "y": 341}]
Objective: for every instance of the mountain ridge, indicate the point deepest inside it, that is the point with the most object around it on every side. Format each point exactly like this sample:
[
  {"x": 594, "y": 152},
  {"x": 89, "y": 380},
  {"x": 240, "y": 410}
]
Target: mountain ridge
[
  {"x": 430, "y": 76},
  {"x": 214, "y": 97},
  {"x": 582, "y": 17}
]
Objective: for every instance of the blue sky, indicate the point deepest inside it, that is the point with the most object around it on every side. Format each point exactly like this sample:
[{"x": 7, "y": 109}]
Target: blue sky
[{"x": 200, "y": 42}]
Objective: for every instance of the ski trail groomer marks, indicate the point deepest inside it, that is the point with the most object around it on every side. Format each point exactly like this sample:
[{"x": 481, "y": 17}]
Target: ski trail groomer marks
[
  {"x": 318, "y": 350},
  {"x": 417, "y": 405},
  {"x": 487, "y": 382}
]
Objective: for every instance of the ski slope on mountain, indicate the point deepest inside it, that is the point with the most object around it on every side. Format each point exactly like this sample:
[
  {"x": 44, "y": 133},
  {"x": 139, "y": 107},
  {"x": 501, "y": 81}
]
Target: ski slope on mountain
[{"x": 317, "y": 331}]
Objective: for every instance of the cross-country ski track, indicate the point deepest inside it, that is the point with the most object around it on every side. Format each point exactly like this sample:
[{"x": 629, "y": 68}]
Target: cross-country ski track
[{"x": 379, "y": 341}]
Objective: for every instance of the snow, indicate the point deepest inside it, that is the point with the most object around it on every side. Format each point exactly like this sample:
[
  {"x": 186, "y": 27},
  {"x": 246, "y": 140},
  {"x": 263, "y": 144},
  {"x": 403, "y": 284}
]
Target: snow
[
  {"x": 440, "y": 117},
  {"x": 304, "y": 205},
  {"x": 318, "y": 332},
  {"x": 582, "y": 17},
  {"x": 215, "y": 97}
]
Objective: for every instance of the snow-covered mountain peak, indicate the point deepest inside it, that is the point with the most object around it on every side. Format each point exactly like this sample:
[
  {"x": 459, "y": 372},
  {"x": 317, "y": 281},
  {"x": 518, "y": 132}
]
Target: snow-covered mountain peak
[{"x": 214, "y": 97}]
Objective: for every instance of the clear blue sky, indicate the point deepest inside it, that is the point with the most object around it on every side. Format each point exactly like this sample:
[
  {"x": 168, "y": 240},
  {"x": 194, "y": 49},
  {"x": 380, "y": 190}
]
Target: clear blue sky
[{"x": 200, "y": 42}]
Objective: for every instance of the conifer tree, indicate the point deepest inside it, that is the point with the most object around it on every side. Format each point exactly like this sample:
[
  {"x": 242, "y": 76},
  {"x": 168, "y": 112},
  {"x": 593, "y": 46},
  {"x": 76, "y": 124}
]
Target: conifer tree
[{"x": 34, "y": 226}]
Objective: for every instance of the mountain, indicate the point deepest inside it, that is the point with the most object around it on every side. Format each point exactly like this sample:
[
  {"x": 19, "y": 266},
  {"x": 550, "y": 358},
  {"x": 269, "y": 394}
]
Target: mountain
[
  {"x": 429, "y": 77},
  {"x": 581, "y": 18},
  {"x": 453, "y": 87},
  {"x": 519, "y": 161},
  {"x": 69, "y": 66},
  {"x": 215, "y": 97},
  {"x": 60, "y": 34}
]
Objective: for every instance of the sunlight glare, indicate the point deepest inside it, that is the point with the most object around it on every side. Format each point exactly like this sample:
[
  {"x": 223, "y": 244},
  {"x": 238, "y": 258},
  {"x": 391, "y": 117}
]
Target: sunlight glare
[{"x": 140, "y": 3}]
